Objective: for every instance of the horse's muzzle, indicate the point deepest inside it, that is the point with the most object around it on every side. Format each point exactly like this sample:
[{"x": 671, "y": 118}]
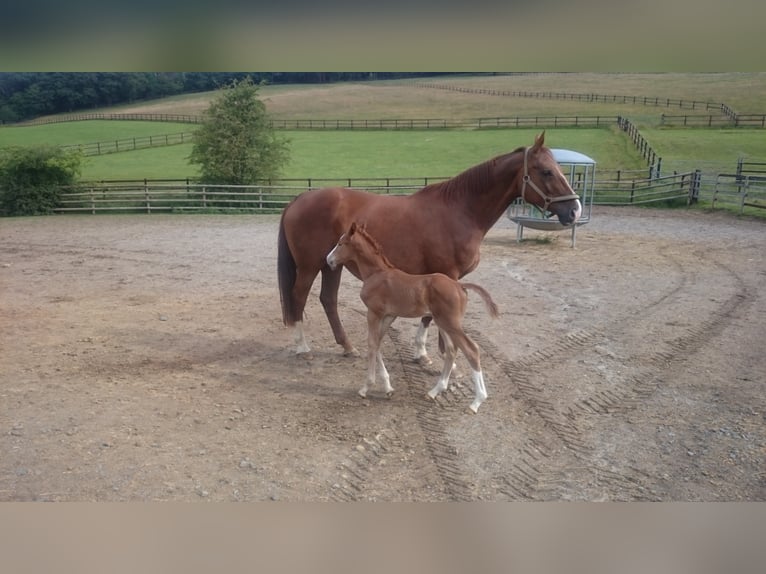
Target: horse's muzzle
[{"x": 568, "y": 212}]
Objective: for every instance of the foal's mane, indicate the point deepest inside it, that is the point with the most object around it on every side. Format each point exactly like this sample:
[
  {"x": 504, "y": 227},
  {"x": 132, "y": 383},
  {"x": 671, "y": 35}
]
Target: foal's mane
[
  {"x": 361, "y": 230},
  {"x": 476, "y": 179}
]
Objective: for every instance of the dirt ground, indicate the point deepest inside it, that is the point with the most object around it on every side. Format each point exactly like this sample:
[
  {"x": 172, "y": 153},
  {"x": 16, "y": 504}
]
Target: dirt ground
[{"x": 144, "y": 358}]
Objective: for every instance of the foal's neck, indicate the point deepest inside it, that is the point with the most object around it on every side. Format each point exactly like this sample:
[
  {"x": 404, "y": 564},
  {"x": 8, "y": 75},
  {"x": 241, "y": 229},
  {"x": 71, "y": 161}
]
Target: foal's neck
[{"x": 370, "y": 263}]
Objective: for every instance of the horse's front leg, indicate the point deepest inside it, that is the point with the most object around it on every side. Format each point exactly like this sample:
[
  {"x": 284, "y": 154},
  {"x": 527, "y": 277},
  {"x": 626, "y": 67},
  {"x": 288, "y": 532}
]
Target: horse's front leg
[
  {"x": 328, "y": 296},
  {"x": 421, "y": 355}
]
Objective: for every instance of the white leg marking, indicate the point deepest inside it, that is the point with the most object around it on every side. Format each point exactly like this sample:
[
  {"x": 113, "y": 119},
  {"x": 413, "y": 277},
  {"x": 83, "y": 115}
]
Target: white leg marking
[
  {"x": 449, "y": 361},
  {"x": 301, "y": 346},
  {"x": 384, "y": 375},
  {"x": 420, "y": 344},
  {"x": 480, "y": 391}
]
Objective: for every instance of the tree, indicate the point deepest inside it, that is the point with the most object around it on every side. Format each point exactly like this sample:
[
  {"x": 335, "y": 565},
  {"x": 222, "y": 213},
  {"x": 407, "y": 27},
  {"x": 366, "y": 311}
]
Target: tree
[
  {"x": 236, "y": 144},
  {"x": 31, "y": 178}
]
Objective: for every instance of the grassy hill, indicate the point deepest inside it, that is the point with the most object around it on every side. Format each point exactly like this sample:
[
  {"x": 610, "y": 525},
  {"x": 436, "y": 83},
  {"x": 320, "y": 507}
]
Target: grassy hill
[{"x": 340, "y": 154}]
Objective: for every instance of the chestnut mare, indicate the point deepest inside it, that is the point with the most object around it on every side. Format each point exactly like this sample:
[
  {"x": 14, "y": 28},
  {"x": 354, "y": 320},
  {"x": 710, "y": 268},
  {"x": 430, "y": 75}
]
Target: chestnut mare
[
  {"x": 437, "y": 229},
  {"x": 389, "y": 293}
]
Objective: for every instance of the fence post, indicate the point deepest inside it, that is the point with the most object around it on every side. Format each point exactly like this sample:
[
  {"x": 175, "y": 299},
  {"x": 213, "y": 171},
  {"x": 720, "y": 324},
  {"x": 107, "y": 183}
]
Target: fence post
[
  {"x": 146, "y": 197},
  {"x": 694, "y": 189},
  {"x": 743, "y": 196}
]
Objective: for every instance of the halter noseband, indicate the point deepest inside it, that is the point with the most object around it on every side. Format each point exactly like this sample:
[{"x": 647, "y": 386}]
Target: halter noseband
[{"x": 547, "y": 200}]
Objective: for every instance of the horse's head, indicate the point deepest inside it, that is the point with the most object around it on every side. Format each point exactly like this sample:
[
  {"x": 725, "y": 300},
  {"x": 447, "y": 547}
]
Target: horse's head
[{"x": 544, "y": 185}]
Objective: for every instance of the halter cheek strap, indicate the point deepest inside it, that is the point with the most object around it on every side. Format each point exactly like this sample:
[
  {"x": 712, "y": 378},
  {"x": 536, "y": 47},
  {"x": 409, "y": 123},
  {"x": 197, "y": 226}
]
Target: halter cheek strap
[{"x": 547, "y": 199}]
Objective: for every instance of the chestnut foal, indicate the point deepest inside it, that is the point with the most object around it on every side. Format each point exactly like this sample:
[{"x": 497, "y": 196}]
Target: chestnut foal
[{"x": 389, "y": 293}]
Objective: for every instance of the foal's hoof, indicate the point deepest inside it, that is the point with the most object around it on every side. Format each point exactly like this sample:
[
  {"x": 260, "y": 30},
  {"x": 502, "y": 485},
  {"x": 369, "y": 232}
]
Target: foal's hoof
[
  {"x": 423, "y": 360},
  {"x": 362, "y": 393},
  {"x": 389, "y": 394},
  {"x": 351, "y": 352}
]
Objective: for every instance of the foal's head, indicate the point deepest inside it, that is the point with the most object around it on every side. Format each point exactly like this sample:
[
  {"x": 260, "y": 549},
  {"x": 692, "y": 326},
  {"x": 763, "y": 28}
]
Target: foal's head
[{"x": 359, "y": 247}]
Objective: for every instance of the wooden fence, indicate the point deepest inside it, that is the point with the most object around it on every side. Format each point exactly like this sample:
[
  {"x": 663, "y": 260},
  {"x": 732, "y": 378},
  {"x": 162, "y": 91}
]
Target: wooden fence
[
  {"x": 364, "y": 124},
  {"x": 188, "y": 196},
  {"x": 175, "y": 118},
  {"x": 640, "y": 142},
  {"x": 725, "y": 121},
  {"x": 129, "y": 144},
  {"x": 585, "y": 97}
]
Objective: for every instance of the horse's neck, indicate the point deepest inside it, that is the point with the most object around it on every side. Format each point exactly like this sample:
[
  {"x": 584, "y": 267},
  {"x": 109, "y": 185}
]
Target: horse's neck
[{"x": 484, "y": 196}]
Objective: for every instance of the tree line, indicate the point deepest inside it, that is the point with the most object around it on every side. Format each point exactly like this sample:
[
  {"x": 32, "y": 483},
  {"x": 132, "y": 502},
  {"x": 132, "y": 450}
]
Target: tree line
[{"x": 26, "y": 95}]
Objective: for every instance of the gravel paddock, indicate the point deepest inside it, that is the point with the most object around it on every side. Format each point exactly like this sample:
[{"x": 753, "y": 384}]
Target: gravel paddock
[{"x": 144, "y": 358}]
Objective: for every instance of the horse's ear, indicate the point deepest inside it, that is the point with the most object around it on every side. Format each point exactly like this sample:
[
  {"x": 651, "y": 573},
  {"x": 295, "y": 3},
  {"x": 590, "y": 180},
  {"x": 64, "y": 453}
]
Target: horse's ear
[
  {"x": 353, "y": 228},
  {"x": 540, "y": 140}
]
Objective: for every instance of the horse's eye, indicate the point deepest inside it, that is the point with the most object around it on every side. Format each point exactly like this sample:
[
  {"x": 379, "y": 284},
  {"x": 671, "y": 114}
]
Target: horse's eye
[{"x": 547, "y": 172}]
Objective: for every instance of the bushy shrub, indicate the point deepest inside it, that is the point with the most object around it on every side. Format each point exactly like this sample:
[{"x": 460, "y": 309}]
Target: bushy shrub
[
  {"x": 236, "y": 144},
  {"x": 31, "y": 178}
]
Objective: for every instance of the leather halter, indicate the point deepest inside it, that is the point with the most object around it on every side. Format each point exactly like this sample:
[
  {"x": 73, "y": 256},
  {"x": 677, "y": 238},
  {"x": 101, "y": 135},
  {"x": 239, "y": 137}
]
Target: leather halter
[{"x": 547, "y": 200}]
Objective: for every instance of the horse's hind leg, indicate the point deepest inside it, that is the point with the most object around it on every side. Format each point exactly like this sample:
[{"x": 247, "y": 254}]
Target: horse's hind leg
[
  {"x": 300, "y": 294},
  {"x": 328, "y": 296}
]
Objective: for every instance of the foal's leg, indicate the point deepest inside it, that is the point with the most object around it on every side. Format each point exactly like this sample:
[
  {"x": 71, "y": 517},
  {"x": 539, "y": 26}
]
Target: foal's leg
[
  {"x": 421, "y": 355},
  {"x": 449, "y": 360},
  {"x": 471, "y": 352},
  {"x": 384, "y": 325},
  {"x": 374, "y": 336},
  {"x": 328, "y": 296}
]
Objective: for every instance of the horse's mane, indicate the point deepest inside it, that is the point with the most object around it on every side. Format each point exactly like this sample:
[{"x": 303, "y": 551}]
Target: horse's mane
[
  {"x": 475, "y": 179},
  {"x": 375, "y": 245}
]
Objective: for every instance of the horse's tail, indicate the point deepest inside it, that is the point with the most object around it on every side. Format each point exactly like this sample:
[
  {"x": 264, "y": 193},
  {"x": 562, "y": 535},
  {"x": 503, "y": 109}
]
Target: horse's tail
[
  {"x": 491, "y": 306},
  {"x": 286, "y": 274}
]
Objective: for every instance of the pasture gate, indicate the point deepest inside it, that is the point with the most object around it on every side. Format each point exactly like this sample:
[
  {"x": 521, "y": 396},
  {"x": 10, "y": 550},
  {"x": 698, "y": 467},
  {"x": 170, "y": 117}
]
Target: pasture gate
[{"x": 580, "y": 170}]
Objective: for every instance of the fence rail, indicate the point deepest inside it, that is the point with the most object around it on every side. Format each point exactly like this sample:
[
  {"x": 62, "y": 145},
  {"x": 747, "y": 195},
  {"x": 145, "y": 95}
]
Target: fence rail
[
  {"x": 737, "y": 120},
  {"x": 129, "y": 144},
  {"x": 584, "y": 97},
  {"x": 681, "y": 187},
  {"x": 646, "y": 151},
  {"x": 175, "y": 118},
  {"x": 185, "y": 195},
  {"x": 739, "y": 192}
]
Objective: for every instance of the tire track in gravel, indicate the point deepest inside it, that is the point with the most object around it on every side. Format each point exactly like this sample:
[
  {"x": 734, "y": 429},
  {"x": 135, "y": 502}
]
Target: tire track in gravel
[{"x": 534, "y": 475}]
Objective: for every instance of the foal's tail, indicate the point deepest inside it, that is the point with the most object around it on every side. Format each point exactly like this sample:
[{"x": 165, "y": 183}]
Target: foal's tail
[
  {"x": 491, "y": 306},
  {"x": 286, "y": 274}
]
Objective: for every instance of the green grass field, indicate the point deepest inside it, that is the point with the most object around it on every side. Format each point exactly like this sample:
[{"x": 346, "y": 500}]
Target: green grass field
[
  {"x": 435, "y": 153},
  {"x": 361, "y": 154}
]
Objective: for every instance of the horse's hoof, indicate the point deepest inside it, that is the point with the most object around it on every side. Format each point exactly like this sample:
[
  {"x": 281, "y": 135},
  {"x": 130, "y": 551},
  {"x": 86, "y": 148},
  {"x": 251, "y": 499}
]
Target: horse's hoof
[
  {"x": 362, "y": 393},
  {"x": 432, "y": 395},
  {"x": 389, "y": 394},
  {"x": 352, "y": 352},
  {"x": 423, "y": 360},
  {"x": 474, "y": 408}
]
